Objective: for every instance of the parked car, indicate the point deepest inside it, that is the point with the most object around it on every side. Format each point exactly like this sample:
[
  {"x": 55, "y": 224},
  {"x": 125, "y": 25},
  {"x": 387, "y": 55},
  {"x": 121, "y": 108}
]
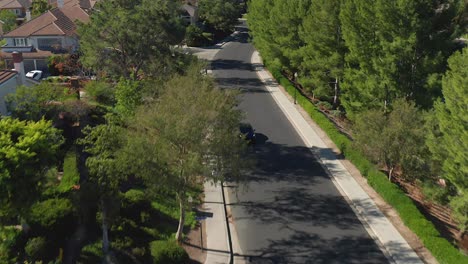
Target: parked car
[{"x": 36, "y": 75}]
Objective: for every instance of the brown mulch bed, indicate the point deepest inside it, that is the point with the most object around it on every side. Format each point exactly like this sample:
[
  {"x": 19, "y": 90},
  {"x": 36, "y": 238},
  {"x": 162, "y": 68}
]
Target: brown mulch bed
[{"x": 195, "y": 243}]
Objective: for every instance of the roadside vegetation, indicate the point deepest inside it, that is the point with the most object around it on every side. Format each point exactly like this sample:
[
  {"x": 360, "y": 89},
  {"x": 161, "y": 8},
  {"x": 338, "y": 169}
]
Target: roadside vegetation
[
  {"x": 217, "y": 19},
  {"x": 391, "y": 76},
  {"x": 108, "y": 170}
]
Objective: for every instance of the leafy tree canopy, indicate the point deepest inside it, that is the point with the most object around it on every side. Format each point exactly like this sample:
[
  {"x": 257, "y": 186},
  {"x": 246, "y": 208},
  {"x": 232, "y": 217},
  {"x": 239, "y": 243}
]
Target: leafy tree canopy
[
  {"x": 125, "y": 37},
  {"x": 449, "y": 141},
  {"x": 191, "y": 131},
  {"x": 39, "y": 7},
  {"x": 9, "y": 20},
  {"x": 34, "y": 102},
  {"x": 395, "y": 139},
  {"x": 220, "y": 14},
  {"x": 27, "y": 150}
]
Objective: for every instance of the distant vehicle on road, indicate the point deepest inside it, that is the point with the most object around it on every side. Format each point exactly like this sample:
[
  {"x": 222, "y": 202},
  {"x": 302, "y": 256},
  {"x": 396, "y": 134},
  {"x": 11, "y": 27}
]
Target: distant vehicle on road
[{"x": 36, "y": 75}]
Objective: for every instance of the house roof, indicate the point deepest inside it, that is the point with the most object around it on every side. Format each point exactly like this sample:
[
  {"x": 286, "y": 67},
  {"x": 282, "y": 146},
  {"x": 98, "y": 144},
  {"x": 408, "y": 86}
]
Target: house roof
[
  {"x": 85, "y": 4},
  {"x": 6, "y": 75},
  {"x": 191, "y": 10},
  {"x": 15, "y": 4},
  {"x": 58, "y": 21}
]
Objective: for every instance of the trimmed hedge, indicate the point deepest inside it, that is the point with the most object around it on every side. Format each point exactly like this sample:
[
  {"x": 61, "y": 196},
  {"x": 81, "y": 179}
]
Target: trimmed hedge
[
  {"x": 50, "y": 212},
  {"x": 440, "y": 248},
  {"x": 168, "y": 252}
]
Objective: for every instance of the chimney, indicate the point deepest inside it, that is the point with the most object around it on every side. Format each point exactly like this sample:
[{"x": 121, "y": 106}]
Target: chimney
[
  {"x": 19, "y": 67},
  {"x": 60, "y": 3},
  {"x": 28, "y": 15}
]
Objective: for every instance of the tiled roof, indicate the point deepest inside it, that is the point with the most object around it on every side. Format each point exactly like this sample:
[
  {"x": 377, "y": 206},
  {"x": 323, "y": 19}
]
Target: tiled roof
[
  {"x": 58, "y": 21},
  {"x": 191, "y": 10},
  {"x": 17, "y": 4},
  {"x": 85, "y": 4},
  {"x": 6, "y": 75}
]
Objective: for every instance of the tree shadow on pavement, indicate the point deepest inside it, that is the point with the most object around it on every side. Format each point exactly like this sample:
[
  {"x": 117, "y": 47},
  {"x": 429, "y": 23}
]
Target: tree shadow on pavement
[
  {"x": 243, "y": 84},
  {"x": 221, "y": 64},
  {"x": 304, "y": 248},
  {"x": 299, "y": 201}
]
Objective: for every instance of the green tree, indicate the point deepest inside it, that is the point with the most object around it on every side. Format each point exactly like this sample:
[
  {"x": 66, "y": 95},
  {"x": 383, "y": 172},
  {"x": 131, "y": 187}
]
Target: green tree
[
  {"x": 397, "y": 49},
  {"x": 39, "y": 7},
  {"x": 35, "y": 102},
  {"x": 128, "y": 95},
  {"x": 220, "y": 14},
  {"x": 449, "y": 141},
  {"x": 126, "y": 36},
  {"x": 101, "y": 91},
  {"x": 275, "y": 26},
  {"x": 9, "y": 20},
  {"x": 323, "y": 49},
  {"x": 459, "y": 205},
  {"x": 28, "y": 150},
  {"x": 103, "y": 143},
  {"x": 194, "y": 128},
  {"x": 395, "y": 139}
]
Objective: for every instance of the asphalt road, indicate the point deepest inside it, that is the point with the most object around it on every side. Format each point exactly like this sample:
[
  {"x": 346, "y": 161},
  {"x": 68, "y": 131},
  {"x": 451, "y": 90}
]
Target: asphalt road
[{"x": 289, "y": 211}]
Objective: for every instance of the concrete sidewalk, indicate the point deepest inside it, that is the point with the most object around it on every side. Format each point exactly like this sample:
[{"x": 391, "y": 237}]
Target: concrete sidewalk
[
  {"x": 217, "y": 247},
  {"x": 394, "y": 245}
]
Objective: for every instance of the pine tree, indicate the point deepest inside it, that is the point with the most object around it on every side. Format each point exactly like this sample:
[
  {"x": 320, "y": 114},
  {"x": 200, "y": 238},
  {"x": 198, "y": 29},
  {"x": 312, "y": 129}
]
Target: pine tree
[
  {"x": 449, "y": 145},
  {"x": 323, "y": 53},
  {"x": 362, "y": 86},
  {"x": 397, "y": 49},
  {"x": 274, "y": 25}
]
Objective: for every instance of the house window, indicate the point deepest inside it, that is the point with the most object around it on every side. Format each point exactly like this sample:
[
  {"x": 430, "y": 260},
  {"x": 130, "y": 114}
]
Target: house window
[
  {"x": 21, "y": 42},
  {"x": 50, "y": 44}
]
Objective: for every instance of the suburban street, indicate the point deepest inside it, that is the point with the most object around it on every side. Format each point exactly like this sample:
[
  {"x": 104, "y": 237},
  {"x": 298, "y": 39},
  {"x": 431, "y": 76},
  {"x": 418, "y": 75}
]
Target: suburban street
[{"x": 289, "y": 210}]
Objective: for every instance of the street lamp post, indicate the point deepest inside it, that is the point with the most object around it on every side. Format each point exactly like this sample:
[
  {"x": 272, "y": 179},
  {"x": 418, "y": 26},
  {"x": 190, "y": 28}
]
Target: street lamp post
[{"x": 295, "y": 88}]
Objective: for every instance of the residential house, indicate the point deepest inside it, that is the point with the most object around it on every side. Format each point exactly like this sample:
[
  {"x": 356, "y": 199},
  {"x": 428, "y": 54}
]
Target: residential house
[
  {"x": 8, "y": 83},
  {"x": 19, "y": 7},
  {"x": 10, "y": 79},
  {"x": 189, "y": 13},
  {"x": 53, "y": 32},
  {"x": 84, "y": 4}
]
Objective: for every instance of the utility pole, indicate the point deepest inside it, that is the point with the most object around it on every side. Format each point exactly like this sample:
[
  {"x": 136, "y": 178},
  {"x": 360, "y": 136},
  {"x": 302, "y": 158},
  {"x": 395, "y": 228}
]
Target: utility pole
[{"x": 295, "y": 88}]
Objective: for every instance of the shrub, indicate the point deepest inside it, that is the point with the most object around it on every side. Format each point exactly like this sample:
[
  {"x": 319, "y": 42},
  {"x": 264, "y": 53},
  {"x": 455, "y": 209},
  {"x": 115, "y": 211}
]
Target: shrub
[
  {"x": 70, "y": 172},
  {"x": 101, "y": 91},
  {"x": 36, "y": 247},
  {"x": 459, "y": 204},
  {"x": 194, "y": 36},
  {"x": 64, "y": 64},
  {"x": 435, "y": 193},
  {"x": 9, "y": 244},
  {"x": 168, "y": 252},
  {"x": 324, "y": 105},
  {"x": 51, "y": 211},
  {"x": 135, "y": 196},
  {"x": 92, "y": 251}
]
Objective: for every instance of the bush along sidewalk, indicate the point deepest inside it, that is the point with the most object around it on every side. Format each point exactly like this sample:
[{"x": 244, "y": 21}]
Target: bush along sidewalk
[{"x": 440, "y": 248}]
